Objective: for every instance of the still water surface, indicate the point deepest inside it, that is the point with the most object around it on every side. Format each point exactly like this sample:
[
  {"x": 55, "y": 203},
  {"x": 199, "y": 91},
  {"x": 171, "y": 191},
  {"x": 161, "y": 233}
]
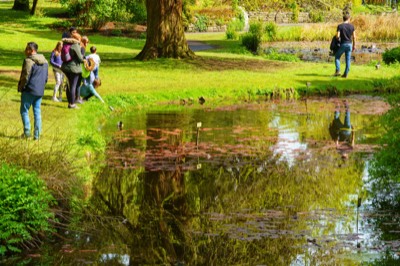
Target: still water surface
[{"x": 259, "y": 184}]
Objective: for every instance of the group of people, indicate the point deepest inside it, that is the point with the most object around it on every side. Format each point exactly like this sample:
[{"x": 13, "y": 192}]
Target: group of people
[
  {"x": 68, "y": 61},
  {"x": 68, "y": 58}
]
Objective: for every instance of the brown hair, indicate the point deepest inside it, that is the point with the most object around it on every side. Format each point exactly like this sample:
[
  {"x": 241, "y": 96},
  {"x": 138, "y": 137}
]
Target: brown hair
[
  {"x": 76, "y": 36},
  {"x": 84, "y": 41},
  {"x": 97, "y": 83},
  {"x": 58, "y": 45}
]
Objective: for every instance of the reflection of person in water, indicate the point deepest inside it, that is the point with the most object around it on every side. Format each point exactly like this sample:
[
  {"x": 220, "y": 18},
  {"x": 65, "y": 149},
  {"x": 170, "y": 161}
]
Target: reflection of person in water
[{"x": 342, "y": 133}]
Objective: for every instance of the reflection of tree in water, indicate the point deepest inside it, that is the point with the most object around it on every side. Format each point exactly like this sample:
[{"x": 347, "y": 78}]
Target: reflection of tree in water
[
  {"x": 152, "y": 204},
  {"x": 244, "y": 207},
  {"x": 272, "y": 214},
  {"x": 385, "y": 189}
]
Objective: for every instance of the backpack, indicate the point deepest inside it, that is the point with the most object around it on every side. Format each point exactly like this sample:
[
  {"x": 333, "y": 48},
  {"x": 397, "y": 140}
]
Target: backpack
[
  {"x": 334, "y": 47},
  {"x": 65, "y": 55}
]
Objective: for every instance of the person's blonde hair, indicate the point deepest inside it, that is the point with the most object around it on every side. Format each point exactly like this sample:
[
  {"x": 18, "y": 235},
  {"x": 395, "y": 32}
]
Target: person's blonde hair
[{"x": 55, "y": 50}]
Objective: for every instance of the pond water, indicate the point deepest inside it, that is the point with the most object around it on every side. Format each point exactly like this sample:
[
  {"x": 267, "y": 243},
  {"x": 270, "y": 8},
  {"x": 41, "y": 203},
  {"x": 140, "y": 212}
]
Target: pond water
[
  {"x": 256, "y": 184},
  {"x": 319, "y": 51}
]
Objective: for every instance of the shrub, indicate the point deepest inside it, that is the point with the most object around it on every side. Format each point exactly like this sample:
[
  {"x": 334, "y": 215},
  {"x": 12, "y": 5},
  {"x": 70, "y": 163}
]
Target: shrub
[
  {"x": 24, "y": 208},
  {"x": 97, "y": 13},
  {"x": 256, "y": 28},
  {"x": 270, "y": 30},
  {"x": 138, "y": 10},
  {"x": 251, "y": 41},
  {"x": 201, "y": 23},
  {"x": 116, "y": 32},
  {"x": 391, "y": 56},
  {"x": 236, "y": 24},
  {"x": 317, "y": 16},
  {"x": 295, "y": 10},
  {"x": 61, "y": 24},
  {"x": 231, "y": 32}
]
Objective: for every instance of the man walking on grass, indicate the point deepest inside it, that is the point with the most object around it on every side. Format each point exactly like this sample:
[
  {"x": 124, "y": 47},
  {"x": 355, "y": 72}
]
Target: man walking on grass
[
  {"x": 347, "y": 36},
  {"x": 31, "y": 85}
]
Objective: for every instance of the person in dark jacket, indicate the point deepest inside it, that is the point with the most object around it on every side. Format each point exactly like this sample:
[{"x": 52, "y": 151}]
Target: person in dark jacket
[
  {"x": 346, "y": 34},
  {"x": 31, "y": 84},
  {"x": 72, "y": 68}
]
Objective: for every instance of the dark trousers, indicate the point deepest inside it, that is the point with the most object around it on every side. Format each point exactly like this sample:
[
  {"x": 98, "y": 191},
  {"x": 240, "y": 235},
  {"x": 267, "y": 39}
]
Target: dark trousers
[{"x": 74, "y": 85}]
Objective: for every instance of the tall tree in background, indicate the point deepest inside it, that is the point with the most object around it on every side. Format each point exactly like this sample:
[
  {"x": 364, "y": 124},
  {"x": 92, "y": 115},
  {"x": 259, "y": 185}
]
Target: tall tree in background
[
  {"x": 165, "y": 33},
  {"x": 34, "y": 4},
  {"x": 21, "y": 5}
]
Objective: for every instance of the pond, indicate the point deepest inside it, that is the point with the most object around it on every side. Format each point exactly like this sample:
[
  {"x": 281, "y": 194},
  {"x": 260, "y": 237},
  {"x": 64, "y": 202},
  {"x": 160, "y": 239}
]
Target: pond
[
  {"x": 366, "y": 53},
  {"x": 254, "y": 184}
]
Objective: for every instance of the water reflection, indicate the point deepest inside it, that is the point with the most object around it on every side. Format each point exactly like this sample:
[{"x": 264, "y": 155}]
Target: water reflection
[
  {"x": 263, "y": 184},
  {"x": 269, "y": 188},
  {"x": 342, "y": 133}
]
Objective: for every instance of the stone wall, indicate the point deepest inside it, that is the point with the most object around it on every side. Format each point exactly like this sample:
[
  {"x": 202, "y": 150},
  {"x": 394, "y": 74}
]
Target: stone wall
[
  {"x": 280, "y": 17},
  {"x": 221, "y": 28}
]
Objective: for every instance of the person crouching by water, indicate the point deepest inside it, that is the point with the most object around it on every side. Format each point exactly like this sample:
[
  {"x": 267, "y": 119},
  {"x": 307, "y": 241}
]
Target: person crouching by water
[
  {"x": 71, "y": 66},
  {"x": 342, "y": 133},
  {"x": 347, "y": 35},
  {"x": 31, "y": 84},
  {"x": 56, "y": 62},
  {"x": 90, "y": 83}
]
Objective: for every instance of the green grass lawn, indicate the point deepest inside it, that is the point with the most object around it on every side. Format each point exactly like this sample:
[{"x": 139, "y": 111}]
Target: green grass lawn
[{"x": 222, "y": 75}]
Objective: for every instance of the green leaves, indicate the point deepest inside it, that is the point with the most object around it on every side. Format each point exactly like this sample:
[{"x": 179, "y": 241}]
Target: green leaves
[
  {"x": 24, "y": 207},
  {"x": 391, "y": 56}
]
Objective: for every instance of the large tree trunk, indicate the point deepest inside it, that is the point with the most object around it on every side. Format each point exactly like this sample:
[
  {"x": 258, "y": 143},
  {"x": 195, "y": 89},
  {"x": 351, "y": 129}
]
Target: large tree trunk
[
  {"x": 21, "y": 5},
  {"x": 165, "y": 33}
]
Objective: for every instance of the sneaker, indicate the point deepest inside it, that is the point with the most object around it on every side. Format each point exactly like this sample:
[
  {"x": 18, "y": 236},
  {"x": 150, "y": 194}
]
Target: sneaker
[
  {"x": 59, "y": 99},
  {"x": 79, "y": 101},
  {"x": 55, "y": 99},
  {"x": 73, "y": 106},
  {"x": 23, "y": 136},
  {"x": 337, "y": 74},
  {"x": 344, "y": 76}
]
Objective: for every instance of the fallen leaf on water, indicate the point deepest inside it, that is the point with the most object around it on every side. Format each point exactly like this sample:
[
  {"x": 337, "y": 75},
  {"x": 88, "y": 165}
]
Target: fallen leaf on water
[
  {"x": 87, "y": 250},
  {"x": 34, "y": 255}
]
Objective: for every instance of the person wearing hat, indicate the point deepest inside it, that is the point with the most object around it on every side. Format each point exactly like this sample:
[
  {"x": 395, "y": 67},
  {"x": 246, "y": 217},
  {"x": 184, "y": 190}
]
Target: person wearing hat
[{"x": 90, "y": 83}]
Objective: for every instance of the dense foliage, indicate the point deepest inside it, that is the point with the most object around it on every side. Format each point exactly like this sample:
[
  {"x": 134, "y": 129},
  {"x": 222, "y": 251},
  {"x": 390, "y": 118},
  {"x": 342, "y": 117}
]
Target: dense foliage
[
  {"x": 386, "y": 163},
  {"x": 97, "y": 13},
  {"x": 24, "y": 208},
  {"x": 391, "y": 56},
  {"x": 293, "y": 5},
  {"x": 252, "y": 39}
]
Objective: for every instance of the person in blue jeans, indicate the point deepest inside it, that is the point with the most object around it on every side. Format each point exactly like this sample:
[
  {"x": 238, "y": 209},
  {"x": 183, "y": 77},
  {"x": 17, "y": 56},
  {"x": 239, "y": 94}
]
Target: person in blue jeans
[
  {"x": 346, "y": 34},
  {"x": 342, "y": 131},
  {"x": 31, "y": 84}
]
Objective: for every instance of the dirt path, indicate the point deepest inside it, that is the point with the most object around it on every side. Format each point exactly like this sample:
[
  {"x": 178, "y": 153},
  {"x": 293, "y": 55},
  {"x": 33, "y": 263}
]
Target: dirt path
[{"x": 199, "y": 46}]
